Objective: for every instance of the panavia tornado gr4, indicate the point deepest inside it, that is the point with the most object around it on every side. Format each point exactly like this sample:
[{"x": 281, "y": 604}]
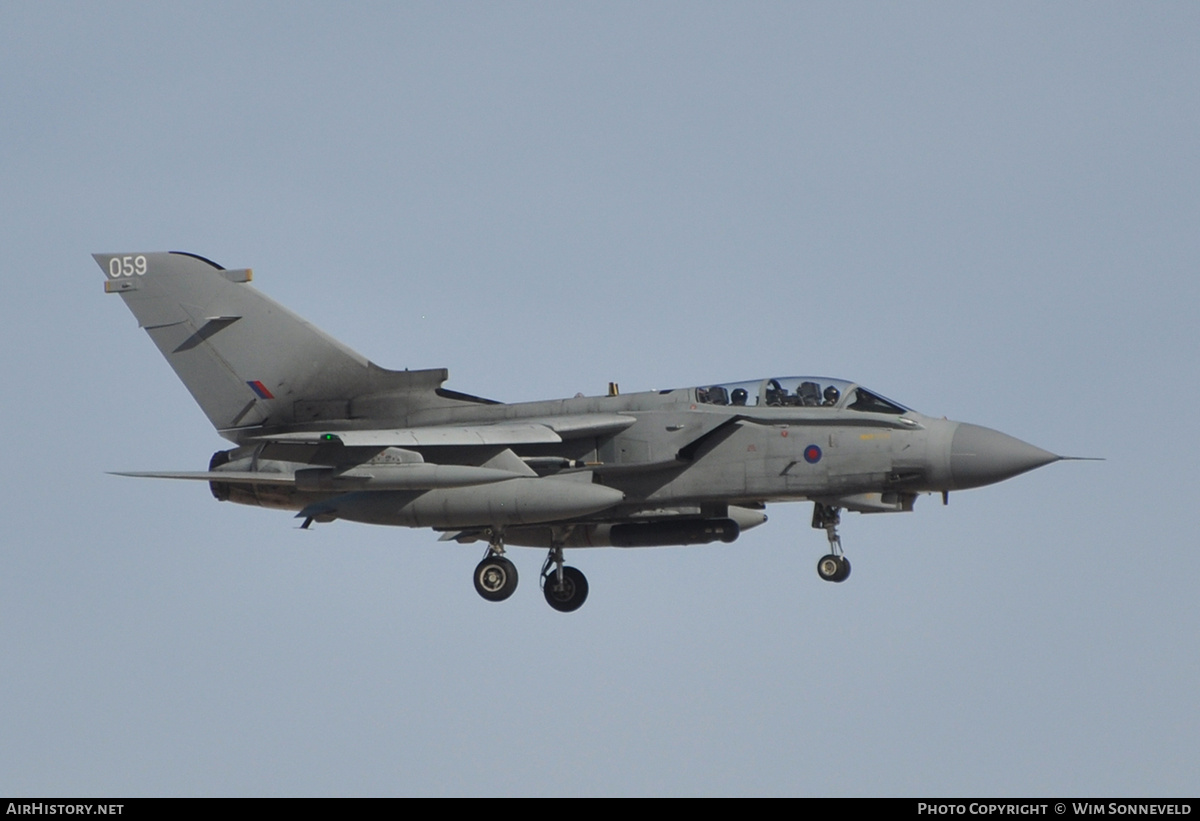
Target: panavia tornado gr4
[{"x": 323, "y": 431}]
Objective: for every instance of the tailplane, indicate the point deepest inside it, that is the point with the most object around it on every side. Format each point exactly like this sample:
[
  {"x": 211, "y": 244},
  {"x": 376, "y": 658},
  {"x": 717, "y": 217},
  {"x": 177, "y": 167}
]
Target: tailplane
[{"x": 250, "y": 363}]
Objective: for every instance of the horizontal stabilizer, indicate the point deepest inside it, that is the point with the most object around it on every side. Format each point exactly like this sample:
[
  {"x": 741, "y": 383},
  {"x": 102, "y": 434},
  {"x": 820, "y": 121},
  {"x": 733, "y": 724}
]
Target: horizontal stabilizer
[
  {"x": 234, "y": 477},
  {"x": 414, "y": 476}
]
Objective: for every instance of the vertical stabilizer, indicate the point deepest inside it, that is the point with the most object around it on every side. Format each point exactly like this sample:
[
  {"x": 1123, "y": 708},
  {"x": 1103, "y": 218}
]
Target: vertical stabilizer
[{"x": 248, "y": 361}]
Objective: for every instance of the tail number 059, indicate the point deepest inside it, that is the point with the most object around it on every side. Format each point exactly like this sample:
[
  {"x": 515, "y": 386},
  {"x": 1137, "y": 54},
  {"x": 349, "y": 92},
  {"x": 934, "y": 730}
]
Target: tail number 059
[{"x": 126, "y": 266}]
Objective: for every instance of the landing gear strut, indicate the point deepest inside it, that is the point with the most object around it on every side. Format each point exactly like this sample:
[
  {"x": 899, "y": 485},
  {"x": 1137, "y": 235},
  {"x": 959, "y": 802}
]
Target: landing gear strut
[
  {"x": 834, "y": 566},
  {"x": 565, "y": 588},
  {"x": 495, "y": 576}
]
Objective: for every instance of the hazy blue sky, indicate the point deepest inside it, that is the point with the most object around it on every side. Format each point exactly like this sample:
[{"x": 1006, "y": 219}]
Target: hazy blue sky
[{"x": 986, "y": 211}]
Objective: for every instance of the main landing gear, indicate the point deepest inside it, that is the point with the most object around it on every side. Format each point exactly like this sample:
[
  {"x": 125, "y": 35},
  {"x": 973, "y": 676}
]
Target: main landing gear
[
  {"x": 565, "y": 588},
  {"x": 834, "y": 566},
  {"x": 495, "y": 576}
]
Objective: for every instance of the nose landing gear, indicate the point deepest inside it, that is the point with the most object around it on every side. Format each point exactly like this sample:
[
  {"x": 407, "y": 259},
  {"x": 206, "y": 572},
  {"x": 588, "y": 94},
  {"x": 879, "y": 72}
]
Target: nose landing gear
[{"x": 834, "y": 566}]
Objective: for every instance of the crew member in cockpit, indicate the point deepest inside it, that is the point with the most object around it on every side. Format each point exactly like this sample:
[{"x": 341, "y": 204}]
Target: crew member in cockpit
[
  {"x": 831, "y": 396},
  {"x": 776, "y": 393}
]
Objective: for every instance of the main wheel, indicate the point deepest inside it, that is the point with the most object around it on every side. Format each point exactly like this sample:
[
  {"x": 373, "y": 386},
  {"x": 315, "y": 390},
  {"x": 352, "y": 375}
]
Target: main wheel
[
  {"x": 495, "y": 578},
  {"x": 833, "y": 568},
  {"x": 568, "y": 596}
]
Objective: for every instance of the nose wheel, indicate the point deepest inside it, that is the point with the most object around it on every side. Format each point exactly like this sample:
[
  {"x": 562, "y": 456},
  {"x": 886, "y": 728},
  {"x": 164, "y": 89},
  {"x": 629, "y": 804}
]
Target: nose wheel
[{"x": 834, "y": 566}]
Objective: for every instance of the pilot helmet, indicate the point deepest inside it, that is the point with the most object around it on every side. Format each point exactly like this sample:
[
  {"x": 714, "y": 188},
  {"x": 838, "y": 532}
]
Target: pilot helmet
[
  {"x": 739, "y": 396},
  {"x": 832, "y": 395}
]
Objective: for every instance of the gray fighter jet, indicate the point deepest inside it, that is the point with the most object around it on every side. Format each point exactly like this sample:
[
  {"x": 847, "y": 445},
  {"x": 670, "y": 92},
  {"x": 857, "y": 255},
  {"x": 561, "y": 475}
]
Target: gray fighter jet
[{"x": 323, "y": 431}]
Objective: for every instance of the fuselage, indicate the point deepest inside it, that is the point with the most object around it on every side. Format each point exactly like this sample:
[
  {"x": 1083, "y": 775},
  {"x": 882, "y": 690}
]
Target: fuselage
[{"x": 703, "y": 448}]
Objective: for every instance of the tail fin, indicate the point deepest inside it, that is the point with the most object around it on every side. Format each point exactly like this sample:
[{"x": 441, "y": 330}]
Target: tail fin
[{"x": 248, "y": 361}]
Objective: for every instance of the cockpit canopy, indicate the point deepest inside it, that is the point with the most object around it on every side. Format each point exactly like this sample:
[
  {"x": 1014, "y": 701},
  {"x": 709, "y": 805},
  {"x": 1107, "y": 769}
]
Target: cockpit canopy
[{"x": 798, "y": 391}]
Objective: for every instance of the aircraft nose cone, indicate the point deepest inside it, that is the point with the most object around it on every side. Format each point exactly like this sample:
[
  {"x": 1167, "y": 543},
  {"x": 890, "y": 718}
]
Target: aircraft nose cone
[{"x": 981, "y": 456}]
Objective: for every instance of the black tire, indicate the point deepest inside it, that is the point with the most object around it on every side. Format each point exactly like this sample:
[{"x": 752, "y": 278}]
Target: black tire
[
  {"x": 495, "y": 578},
  {"x": 829, "y": 568},
  {"x": 572, "y": 593}
]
